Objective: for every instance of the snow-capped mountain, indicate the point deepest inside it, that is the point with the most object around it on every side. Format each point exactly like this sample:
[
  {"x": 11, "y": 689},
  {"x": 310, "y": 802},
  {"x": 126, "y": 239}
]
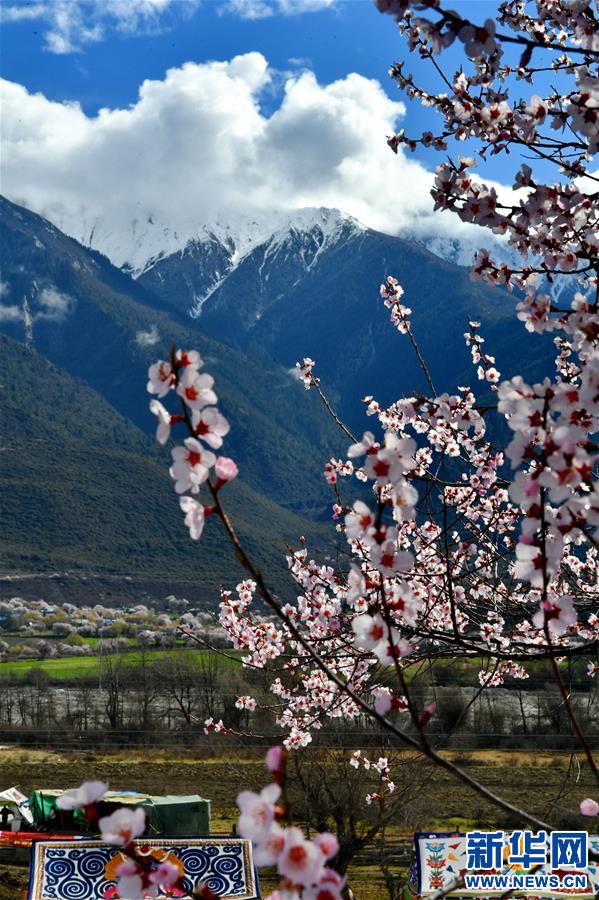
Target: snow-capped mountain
[
  {"x": 195, "y": 258},
  {"x": 218, "y": 247},
  {"x": 291, "y": 245},
  {"x": 310, "y": 288},
  {"x": 306, "y": 284},
  {"x": 189, "y": 262}
]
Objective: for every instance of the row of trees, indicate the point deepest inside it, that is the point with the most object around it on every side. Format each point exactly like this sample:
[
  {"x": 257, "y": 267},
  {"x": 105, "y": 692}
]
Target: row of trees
[{"x": 166, "y": 700}]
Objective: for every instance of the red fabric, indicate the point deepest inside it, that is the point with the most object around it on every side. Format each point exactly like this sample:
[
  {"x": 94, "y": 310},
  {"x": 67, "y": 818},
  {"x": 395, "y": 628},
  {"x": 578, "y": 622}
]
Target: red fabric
[{"x": 25, "y": 838}]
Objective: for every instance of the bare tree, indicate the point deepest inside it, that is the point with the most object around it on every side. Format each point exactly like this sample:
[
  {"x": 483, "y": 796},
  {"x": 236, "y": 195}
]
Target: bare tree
[{"x": 112, "y": 687}]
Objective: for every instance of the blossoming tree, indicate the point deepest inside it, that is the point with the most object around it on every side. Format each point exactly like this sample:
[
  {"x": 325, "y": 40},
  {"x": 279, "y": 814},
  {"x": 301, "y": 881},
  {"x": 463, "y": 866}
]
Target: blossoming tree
[{"x": 462, "y": 548}]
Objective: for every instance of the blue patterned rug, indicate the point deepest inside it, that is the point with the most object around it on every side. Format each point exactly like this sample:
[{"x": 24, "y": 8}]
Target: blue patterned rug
[{"x": 84, "y": 870}]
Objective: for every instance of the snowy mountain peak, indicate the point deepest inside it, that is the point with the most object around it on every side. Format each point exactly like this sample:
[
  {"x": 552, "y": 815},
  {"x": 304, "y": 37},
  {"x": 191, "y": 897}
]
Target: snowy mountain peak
[
  {"x": 296, "y": 238},
  {"x": 141, "y": 243},
  {"x": 241, "y": 236}
]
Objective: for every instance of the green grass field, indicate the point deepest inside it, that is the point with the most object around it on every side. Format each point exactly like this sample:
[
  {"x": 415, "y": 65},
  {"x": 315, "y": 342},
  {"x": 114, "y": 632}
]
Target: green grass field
[
  {"x": 69, "y": 668},
  {"x": 460, "y": 672},
  {"x": 72, "y": 667}
]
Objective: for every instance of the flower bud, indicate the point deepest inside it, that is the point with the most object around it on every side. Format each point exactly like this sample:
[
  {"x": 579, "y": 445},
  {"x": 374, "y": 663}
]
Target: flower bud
[{"x": 226, "y": 469}]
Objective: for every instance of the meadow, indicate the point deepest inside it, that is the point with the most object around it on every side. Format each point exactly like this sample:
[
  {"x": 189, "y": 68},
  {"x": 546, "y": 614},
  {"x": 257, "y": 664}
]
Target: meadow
[{"x": 72, "y": 668}]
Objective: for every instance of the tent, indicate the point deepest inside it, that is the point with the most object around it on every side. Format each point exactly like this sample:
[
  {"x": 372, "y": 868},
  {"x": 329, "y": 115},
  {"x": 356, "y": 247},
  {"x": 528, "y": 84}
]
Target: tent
[
  {"x": 15, "y": 797},
  {"x": 168, "y": 815}
]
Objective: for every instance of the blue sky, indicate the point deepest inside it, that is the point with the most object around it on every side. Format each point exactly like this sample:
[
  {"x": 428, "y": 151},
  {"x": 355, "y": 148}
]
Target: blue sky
[
  {"x": 345, "y": 36},
  {"x": 116, "y": 112},
  {"x": 350, "y": 36}
]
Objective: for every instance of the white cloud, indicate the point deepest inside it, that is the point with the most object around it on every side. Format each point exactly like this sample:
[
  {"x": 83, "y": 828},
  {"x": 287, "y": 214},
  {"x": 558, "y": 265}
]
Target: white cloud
[
  {"x": 148, "y": 338},
  {"x": 300, "y": 62},
  {"x": 262, "y": 9},
  {"x": 10, "y": 313},
  {"x": 49, "y": 304},
  {"x": 22, "y": 13},
  {"x": 196, "y": 147},
  {"x": 55, "y": 306},
  {"x": 70, "y": 24}
]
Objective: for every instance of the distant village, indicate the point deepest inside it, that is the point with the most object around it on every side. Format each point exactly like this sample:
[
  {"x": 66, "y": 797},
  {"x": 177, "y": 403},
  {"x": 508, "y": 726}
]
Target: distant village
[{"x": 38, "y": 630}]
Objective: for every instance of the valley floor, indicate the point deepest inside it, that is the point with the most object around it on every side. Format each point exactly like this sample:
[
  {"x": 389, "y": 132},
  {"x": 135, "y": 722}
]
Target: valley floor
[{"x": 547, "y": 784}]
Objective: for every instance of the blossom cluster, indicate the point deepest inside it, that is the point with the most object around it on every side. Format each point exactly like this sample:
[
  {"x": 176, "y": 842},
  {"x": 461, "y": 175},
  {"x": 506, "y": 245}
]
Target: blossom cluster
[
  {"x": 412, "y": 583},
  {"x": 391, "y": 292},
  {"x": 552, "y": 226},
  {"x": 193, "y": 464},
  {"x": 486, "y": 370},
  {"x": 381, "y": 768},
  {"x": 557, "y": 493},
  {"x": 305, "y": 373},
  {"x": 301, "y": 863}
]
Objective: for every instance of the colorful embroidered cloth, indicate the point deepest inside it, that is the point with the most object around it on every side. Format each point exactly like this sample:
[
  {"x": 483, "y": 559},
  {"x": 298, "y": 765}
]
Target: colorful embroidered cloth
[
  {"x": 438, "y": 859},
  {"x": 84, "y": 870},
  {"x": 26, "y": 838}
]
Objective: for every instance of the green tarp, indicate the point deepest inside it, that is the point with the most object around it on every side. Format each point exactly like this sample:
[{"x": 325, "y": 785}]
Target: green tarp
[
  {"x": 170, "y": 815},
  {"x": 178, "y": 815}
]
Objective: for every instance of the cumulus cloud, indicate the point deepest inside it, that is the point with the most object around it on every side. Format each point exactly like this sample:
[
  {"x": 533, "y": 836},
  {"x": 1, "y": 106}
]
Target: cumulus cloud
[
  {"x": 148, "y": 338},
  {"x": 70, "y": 24},
  {"x": 197, "y": 147}
]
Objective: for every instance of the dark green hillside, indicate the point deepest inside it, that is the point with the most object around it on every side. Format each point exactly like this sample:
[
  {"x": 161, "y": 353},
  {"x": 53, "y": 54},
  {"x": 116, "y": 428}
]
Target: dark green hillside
[
  {"x": 84, "y": 489},
  {"x": 280, "y": 436}
]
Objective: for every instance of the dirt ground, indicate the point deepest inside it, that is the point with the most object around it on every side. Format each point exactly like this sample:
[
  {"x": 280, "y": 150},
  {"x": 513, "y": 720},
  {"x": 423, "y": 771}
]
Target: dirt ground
[{"x": 549, "y": 785}]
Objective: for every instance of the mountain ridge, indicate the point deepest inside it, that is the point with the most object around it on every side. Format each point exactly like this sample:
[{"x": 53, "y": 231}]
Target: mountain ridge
[
  {"x": 140, "y": 243},
  {"x": 57, "y": 514},
  {"x": 143, "y": 243},
  {"x": 92, "y": 328},
  {"x": 294, "y": 297}
]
